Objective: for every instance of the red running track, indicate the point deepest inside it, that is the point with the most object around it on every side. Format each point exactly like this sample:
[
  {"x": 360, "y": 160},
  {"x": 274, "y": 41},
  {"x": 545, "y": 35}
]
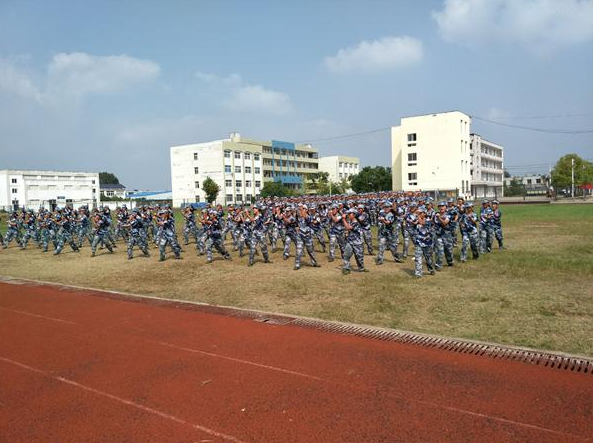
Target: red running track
[{"x": 76, "y": 367}]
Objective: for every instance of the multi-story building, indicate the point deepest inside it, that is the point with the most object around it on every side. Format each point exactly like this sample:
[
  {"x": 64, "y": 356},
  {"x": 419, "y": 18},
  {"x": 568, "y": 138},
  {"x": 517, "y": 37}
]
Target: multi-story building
[
  {"x": 240, "y": 167},
  {"x": 432, "y": 152},
  {"x": 50, "y": 189},
  {"x": 535, "y": 184},
  {"x": 487, "y": 168},
  {"x": 339, "y": 167}
]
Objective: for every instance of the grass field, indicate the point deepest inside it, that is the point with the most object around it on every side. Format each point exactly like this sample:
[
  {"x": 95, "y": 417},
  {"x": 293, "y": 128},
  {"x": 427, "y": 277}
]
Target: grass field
[{"x": 538, "y": 293}]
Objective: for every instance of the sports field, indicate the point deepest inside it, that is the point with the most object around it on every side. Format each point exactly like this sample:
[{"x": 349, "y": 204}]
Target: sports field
[{"x": 538, "y": 293}]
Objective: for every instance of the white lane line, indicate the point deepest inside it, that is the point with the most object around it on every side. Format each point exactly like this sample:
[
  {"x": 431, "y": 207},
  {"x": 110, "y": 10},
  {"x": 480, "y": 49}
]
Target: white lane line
[
  {"x": 238, "y": 360},
  {"x": 124, "y": 401},
  {"x": 40, "y": 316}
]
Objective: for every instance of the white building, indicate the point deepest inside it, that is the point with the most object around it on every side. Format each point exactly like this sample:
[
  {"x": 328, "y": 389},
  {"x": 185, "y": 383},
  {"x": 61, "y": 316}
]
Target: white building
[
  {"x": 535, "y": 184},
  {"x": 433, "y": 152},
  {"x": 339, "y": 167},
  {"x": 113, "y": 190},
  {"x": 239, "y": 166},
  {"x": 487, "y": 168},
  {"x": 51, "y": 189}
]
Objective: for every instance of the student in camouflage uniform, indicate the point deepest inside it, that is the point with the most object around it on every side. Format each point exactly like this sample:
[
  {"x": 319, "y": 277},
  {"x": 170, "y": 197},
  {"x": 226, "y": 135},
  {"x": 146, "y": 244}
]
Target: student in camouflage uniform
[
  {"x": 468, "y": 226},
  {"x": 316, "y": 223},
  {"x": 444, "y": 239},
  {"x": 137, "y": 235},
  {"x": 30, "y": 224},
  {"x": 189, "y": 227},
  {"x": 65, "y": 229},
  {"x": 100, "y": 234},
  {"x": 354, "y": 242},
  {"x": 305, "y": 232},
  {"x": 364, "y": 219},
  {"x": 13, "y": 230},
  {"x": 291, "y": 227},
  {"x": 214, "y": 236},
  {"x": 258, "y": 226},
  {"x": 410, "y": 227},
  {"x": 485, "y": 227},
  {"x": 278, "y": 231},
  {"x": 423, "y": 240},
  {"x": 84, "y": 227},
  {"x": 386, "y": 235},
  {"x": 167, "y": 235},
  {"x": 496, "y": 223},
  {"x": 336, "y": 232}
]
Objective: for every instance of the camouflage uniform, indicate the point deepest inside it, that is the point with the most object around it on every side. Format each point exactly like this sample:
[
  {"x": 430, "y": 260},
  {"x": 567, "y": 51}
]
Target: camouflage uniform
[
  {"x": 444, "y": 240},
  {"x": 353, "y": 246},
  {"x": 468, "y": 225},
  {"x": 423, "y": 241}
]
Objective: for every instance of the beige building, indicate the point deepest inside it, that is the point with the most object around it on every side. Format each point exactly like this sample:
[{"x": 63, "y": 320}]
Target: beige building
[
  {"x": 240, "y": 167},
  {"x": 432, "y": 152},
  {"x": 339, "y": 167}
]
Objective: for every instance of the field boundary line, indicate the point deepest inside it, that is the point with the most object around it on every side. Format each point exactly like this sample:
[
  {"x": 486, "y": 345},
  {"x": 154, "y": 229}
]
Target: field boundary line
[{"x": 544, "y": 358}]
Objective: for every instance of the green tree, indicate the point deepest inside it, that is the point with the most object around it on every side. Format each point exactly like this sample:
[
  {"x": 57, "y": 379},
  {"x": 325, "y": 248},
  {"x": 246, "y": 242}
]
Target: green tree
[
  {"x": 562, "y": 172},
  {"x": 211, "y": 189},
  {"x": 107, "y": 178},
  {"x": 514, "y": 189},
  {"x": 372, "y": 179},
  {"x": 275, "y": 189}
]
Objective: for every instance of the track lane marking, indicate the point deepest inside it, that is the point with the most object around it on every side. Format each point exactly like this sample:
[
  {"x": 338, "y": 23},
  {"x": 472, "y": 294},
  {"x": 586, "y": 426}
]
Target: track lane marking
[
  {"x": 124, "y": 401},
  {"x": 40, "y": 316},
  {"x": 364, "y": 388},
  {"x": 237, "y": 360}
]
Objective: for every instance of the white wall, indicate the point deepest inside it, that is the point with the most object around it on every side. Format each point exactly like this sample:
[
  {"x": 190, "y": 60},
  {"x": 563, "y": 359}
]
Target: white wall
[
  {"x": 37, "y": 188},
  {"x": 442, "y": 149}
]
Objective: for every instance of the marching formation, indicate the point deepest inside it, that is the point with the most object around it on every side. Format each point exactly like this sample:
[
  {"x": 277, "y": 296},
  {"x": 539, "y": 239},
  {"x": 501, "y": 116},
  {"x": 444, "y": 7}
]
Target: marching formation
[{"x": 427, "y": 231}]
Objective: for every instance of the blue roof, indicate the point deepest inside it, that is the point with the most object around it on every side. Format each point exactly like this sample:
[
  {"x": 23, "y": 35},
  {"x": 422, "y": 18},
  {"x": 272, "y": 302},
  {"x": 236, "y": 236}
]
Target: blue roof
[{"x": 146, "y": 194}]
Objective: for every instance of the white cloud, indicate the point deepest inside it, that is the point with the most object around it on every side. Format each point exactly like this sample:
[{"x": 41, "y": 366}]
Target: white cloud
[
  {"x": 17, "y": 81},
  {"x": 542, "y": 26},
  {"x": 386, "y": 53},
  {"x": 77, "y": 75},
  {"x": 234, "y": 95}
]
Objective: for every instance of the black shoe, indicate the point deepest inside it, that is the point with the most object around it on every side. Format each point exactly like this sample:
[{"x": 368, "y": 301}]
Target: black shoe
[
  {"x": 129, "y": 258},
  {"x": 330, "y": 259},
  {"x": 296, "y": 268},
  {"x": 285, "y": 257},
  {"x": 315, "y": 265},
  {"x": 268, "y": 261},
  {"x": 345, "y": 271},
  {"x": 363, "y": 270},
  {"x": 432, "y": 272}
]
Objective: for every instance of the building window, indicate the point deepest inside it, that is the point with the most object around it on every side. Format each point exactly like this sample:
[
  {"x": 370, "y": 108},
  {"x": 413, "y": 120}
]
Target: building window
[
  {"x": 528, "y": 182},
  {"x": 248, "y": 183},
  {"x": 412, "y": 176},
  {"x": 538, "y": 180},
  {"x": 257, "y": 184},
  {"x": 197, "y": 199},
  {"x": 256, "y": 157},
  {"x": 227, "y": 168},
  {"x": 238, "y": 183},
  {"x": 93, "y": 182},
  {"x": 340, "y": 175},
  {"x": 247, "y": 156},
  {"x": 340, "y": 164},
  {"x": 228, "y": 183},
  {"x": 412, "y": 157},
  {"x": 411, "y": 137},
  {"x": 238, "y": 169},
  {"x": 14, "y": 191},
  {"x": 197, "y": 185},
  {"x": 248, "y": 197},
  {"x": 227, "y": 154},
  {"x": 195, "y": 155},
  {"x": 196, "y": 170},
  {"x": 247, "y": 169},
  {"x": 257, "y": 170},
  {"x": 229, "y": 197},
  {"x": 239, "y": 197},
  {"x": 13, "y": 180},
  {"x": 237, "y": 155}
]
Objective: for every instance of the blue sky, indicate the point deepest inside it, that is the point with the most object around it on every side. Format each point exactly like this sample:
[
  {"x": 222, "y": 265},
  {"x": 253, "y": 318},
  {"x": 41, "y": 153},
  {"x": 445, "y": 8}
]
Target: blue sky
[{"x": 111, "y": 85}]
